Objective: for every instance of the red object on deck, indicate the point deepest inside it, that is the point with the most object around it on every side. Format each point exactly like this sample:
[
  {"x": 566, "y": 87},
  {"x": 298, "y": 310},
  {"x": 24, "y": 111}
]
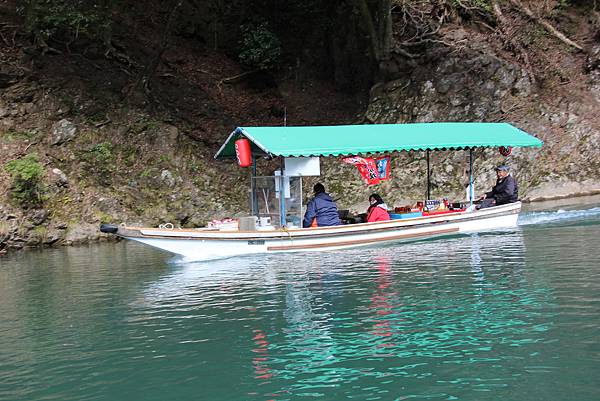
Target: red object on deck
[
  {"x": 243, "y": 152},
  {"x": 435, "y": 212}
]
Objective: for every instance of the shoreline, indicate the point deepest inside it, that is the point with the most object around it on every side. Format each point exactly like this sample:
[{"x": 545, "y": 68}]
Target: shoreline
[
  {"x": 574, "y": 195},
  {"x": 95, "y": 236}
]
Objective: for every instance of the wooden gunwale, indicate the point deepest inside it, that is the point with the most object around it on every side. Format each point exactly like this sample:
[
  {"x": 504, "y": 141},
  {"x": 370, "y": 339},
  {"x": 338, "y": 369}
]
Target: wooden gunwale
[
  {"x": 358, "y": 242},
  {"x": 285, "y": 235}
]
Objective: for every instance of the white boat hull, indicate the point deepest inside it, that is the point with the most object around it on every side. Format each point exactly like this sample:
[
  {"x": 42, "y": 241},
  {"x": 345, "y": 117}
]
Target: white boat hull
[{"x": 204, "y": 244}]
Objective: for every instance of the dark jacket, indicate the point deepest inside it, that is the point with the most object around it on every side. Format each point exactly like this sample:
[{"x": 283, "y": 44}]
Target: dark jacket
[
  {"x": 505, "y": 191},
  {"x": 324, "y": 209}
]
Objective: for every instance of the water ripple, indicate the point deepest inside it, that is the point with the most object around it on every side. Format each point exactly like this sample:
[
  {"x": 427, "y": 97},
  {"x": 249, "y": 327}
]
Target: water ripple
[{"x": 487, "y": 316}]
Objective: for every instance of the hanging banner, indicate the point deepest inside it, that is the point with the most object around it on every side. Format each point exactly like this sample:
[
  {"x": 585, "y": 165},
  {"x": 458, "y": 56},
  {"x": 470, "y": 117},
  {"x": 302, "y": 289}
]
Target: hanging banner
[
  {"x": 367, "y": 167},
  {"x": 383, "y": 167}
]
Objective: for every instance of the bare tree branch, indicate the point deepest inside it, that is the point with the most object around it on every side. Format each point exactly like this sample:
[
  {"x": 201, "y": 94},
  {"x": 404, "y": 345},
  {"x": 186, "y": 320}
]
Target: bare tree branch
[
  {"x": 524, "y": 9},
  {"x": 503, "y": 26}
]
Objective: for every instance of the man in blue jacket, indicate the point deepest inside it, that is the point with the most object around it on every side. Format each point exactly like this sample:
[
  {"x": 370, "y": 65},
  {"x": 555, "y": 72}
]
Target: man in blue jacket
[{"x": 321, "y": 207}]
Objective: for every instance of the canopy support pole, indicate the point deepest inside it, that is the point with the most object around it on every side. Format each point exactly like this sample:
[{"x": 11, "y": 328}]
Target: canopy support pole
[
  {"x": 254, "y": 198},
  {"x": 428, "y": 178},
  {"x": 282, "y": 211},
  {"x": 471, "y": 192}
]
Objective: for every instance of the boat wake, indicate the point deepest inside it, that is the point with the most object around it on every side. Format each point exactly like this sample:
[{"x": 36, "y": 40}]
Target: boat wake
[{"x": 560, "y": 215}]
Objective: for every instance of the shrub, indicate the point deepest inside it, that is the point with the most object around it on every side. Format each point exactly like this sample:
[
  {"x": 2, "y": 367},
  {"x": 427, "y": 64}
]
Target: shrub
[
  {"x": 259, "y": 47},
  {"x": 100, "y": 160},
  {"x": 27, "y": 174},
  {"x": 73, "y": 18},
  {"x": 100, "y": 153}
]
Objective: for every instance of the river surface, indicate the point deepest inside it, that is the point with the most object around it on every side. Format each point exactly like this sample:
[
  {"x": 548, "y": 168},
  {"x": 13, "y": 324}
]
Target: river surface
[{"x": 507, "y": 315}]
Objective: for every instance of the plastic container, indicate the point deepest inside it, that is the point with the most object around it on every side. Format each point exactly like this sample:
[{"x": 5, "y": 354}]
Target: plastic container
[
  {"x": 396, "y": 216},
  {"x": 248, "y": 223}
]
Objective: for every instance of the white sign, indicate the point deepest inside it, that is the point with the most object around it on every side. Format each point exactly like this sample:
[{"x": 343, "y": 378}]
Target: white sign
[{"x": 302, "y": 166}]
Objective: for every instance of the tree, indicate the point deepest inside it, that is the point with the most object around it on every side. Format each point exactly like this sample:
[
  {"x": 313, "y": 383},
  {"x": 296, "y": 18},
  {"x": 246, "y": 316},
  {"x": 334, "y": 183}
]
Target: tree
[
  {"x": 65, "y": 20},
  {"x": 376, "y": 20}
]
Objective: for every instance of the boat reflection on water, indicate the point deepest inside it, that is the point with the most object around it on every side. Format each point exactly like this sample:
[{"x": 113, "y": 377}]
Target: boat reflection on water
[
  {"x": 319, "y": 321},
  {"x": 381, "y": 301},
  {"x": 267, "y": 270}
]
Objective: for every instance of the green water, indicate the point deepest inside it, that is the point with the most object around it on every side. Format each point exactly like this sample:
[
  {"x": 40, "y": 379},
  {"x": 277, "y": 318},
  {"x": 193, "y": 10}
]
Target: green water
[{"x": 509, "y": 315}]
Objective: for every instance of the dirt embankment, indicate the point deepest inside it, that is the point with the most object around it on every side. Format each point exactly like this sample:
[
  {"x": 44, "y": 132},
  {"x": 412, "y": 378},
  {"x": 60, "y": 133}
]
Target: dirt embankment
[{"x": 112, "y": 152}]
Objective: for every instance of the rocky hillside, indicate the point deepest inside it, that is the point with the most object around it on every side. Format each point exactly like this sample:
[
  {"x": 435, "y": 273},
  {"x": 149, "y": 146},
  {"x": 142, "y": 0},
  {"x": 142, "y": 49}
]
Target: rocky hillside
[
  {"x": 117, "y": 144},
  {"x": 551, "y": 93}
]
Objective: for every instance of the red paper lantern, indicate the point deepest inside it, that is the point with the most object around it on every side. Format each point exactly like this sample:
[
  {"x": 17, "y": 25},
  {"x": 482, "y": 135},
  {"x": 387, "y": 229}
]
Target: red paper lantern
[
  {"x": 505, "y": 150},
  {"x": 243, "y": 152}
]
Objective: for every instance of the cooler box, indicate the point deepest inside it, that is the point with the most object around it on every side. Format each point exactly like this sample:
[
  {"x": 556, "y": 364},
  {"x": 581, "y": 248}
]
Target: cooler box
[
  {"x": 411, "y": 215},
  {"x": 248, "y": 223}
]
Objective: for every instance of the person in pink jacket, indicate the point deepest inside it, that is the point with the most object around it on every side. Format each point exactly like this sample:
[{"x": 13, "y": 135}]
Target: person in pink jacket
[{"x": 378, "y": 209}]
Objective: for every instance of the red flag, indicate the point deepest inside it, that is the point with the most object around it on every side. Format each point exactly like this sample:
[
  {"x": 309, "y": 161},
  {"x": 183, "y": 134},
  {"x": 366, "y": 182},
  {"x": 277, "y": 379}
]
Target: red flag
[{"x": 367, "y": 168}]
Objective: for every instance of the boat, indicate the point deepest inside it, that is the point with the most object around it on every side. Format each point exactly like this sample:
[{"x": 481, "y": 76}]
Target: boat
[{"x": 274, "y": 224}]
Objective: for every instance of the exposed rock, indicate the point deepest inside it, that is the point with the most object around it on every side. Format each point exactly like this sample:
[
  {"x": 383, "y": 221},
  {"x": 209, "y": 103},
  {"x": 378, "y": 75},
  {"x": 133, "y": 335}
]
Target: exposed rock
[
  {"x": 172, "y": 133},
  {"x": 16, "y": 243},
  {"x": 83, "y": 233},
  {"x": 7, "y": 124},
  {"x": 63, "y": 131},
  {"x": 167, "y": 177},
  {"x": 39, "y": 217},
  {"x": 564, "y": 189},
  {"x": 53, "y": 236},
  {"x": 60, "y": 177},
  {"x": 442, "y": 95},
  {"x": 183, "y": 217}
]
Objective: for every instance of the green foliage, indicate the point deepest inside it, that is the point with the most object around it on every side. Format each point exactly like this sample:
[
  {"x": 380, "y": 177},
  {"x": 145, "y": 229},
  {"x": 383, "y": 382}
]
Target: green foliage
[
  {"x": 193, "y": 167},
  {"x": 146, "y": 173},
  {"x": 47, "y": 18},
  {"x": 101, "y": 153},
  {"x": 100, "y": 160},
  {"x": 144, "y": 125},
  {"x": 103, "y": 217},
  {"x": 259, "y": 47},
  {"x": 26, "y": 174},
  {"x": 39, "y": 234},
  {"x": 13, "y": 135}
]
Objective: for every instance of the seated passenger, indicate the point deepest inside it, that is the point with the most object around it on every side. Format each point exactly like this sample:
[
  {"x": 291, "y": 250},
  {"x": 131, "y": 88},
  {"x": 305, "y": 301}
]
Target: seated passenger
[
  {"x": 505, "y": 191},
  {"x": 321, "y": 208},
  {"x": 378, "y": 209}
]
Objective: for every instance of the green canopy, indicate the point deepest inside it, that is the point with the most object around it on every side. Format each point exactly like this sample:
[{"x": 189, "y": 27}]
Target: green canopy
[{"x": 374, "y": 138}]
